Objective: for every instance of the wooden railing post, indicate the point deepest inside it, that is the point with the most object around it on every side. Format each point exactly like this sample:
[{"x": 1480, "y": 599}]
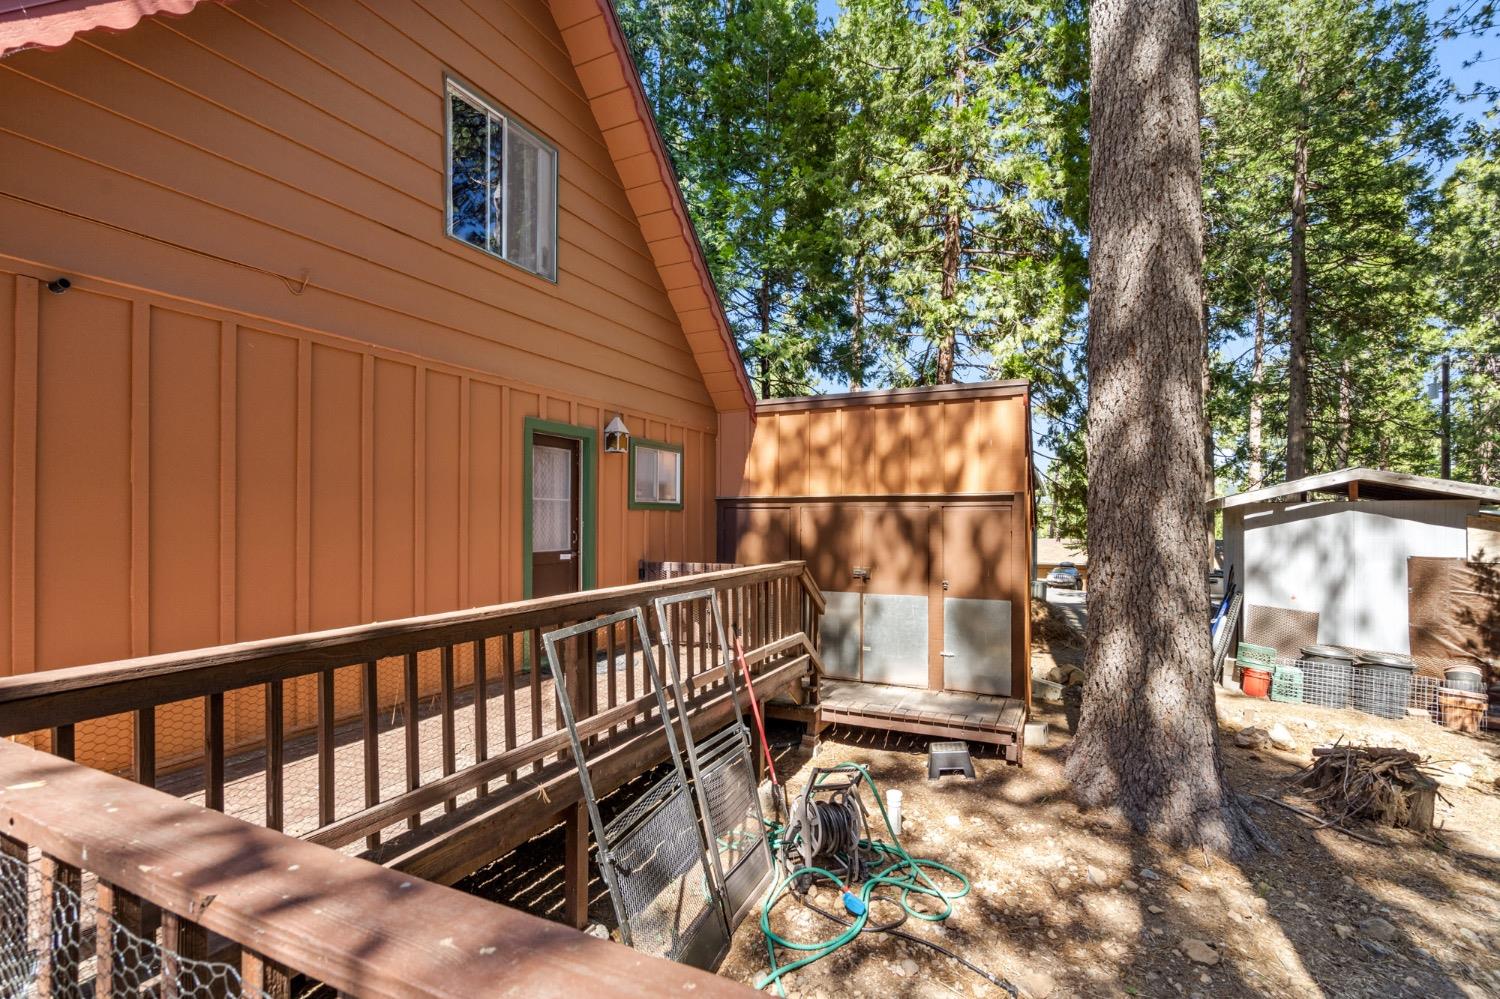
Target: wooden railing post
[
  {"x": 275, "y": 719},
  {"x": 576, "y": 866},
  {"x": 117, "y": 910},
  {"x": 213, "y": 751},
  {"x": 181, "y": 940},
  {"x": 57, "y": 964},
  {"x": 145, "y": 746},
  {"x": 15, "y": 904},
  {"x": 445, "y": 710},
  {"x": 326, "y": 789},
  {"x": 410, "y": 703},
  {"x": 63, "y": 742},
  {"x": 370, "y": 709},
  {"x": 481, "y": 709},
  {"x": 262, "y": 978}
]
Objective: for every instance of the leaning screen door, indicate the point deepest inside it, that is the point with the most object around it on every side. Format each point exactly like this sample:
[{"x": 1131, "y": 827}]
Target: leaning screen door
[{"x": 555, "y": 526}]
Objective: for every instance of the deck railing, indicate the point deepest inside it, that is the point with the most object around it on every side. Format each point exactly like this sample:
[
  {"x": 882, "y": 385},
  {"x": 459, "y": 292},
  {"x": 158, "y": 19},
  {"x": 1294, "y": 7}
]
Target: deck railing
[
  {"x": 111, "y": 889},
  {"x": 430, "y": 744}
]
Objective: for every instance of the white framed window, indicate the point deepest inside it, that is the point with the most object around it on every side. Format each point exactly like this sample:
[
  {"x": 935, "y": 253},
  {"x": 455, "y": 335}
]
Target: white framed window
[
  {"x": 656, "y": 475},
  {"x": 502, "y": 184}
]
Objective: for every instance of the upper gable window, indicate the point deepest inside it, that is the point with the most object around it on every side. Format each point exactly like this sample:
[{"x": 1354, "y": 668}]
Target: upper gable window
[{"x": 502, "y": 184}]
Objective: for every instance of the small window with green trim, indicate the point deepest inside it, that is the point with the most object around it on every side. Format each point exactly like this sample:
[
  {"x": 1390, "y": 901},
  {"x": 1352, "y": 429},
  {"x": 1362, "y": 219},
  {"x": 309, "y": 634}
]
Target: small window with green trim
[{"x": 656, "y": 475}]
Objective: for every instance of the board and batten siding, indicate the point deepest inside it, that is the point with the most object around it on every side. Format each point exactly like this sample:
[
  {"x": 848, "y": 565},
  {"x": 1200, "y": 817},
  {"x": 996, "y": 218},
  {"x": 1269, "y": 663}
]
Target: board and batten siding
[
  {"x": 278, "y": 397},
  {"x": 948, "y": 440},
  {"x": 901, "y": 502}
]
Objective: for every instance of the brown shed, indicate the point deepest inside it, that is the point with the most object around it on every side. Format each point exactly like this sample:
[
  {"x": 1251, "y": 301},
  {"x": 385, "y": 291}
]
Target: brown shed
[{"x": 913, "y": 509}]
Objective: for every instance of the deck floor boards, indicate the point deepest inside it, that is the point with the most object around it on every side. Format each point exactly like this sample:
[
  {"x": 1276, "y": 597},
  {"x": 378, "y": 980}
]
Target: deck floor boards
[{"x": 952, "y": 714}]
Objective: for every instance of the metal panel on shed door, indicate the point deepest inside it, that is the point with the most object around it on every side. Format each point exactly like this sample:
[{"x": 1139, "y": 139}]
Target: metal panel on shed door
[
  {"x": 895, "y": 649},
  {"x": 976, "y": 645},
  {"x": 899, "y": 548},
  {"x": 839, "y": 633},
  {"x": 982, "y": 570}
]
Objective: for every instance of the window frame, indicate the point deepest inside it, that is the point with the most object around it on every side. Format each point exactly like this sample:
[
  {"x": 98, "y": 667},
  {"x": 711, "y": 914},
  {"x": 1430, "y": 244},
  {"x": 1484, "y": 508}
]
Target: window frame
[
  {"x": 455, "y": 87},
  {"x": 640, "y": 504}
]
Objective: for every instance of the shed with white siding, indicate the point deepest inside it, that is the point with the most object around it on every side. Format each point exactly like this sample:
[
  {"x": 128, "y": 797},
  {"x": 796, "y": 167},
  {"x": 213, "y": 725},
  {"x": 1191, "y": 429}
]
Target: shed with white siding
[{"x": 1324, "y": 559}]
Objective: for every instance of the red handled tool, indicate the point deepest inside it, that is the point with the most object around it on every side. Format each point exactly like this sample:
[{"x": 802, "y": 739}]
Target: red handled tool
[{"x": 760, "y": 725}]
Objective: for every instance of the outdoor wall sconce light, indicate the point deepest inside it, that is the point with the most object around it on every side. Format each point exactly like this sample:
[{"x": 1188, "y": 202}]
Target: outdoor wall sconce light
[{"x": 616, "y": 436}]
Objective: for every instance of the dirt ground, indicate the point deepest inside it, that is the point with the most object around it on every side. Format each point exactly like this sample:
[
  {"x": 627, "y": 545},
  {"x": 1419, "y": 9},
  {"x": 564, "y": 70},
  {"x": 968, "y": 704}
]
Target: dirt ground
[{"x": 1070, "y": 904}]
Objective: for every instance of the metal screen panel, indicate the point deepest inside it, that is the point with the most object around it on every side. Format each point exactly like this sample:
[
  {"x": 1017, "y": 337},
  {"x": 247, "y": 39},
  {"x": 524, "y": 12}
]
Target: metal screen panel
[
  {"x": 840, "y": 634},
  {"x": 661, "y": 881},
  {"x": 722, "y": 771},
  {"x": 976, "y": 645},
  {"x": 654, "y": 856},
  {"x": 734, "y": 819},
  {"x": 895, "y": 647}
]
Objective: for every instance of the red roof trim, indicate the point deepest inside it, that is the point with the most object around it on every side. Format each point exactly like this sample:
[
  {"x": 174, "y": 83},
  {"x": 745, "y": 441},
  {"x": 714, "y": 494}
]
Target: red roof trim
[
  {"x": 679, "y": 204},
  {"x": 52, "y": 23}
]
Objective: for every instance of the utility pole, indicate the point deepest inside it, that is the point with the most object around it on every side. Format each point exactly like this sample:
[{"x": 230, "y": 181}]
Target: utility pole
[{"x": 1447, "y": 426}]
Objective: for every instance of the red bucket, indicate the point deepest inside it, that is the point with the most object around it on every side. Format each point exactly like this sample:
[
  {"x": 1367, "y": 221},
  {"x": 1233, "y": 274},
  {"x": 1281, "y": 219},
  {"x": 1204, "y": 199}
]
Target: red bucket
[{"x": 1255, "y": 682}]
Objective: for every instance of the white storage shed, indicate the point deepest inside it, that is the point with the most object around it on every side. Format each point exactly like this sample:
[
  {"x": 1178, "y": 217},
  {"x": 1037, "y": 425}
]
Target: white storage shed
[{"x": 1324, "y": 559}]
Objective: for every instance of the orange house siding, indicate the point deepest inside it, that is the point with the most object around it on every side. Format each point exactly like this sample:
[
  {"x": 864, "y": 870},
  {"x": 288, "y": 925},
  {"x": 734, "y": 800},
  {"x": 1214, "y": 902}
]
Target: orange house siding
[{"x": 278, "y": 397}]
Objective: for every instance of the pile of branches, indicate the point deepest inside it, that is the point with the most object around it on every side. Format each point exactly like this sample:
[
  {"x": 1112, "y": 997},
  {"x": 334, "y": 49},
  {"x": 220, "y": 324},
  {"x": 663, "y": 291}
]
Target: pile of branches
[{"x": 1391, "y": 787}]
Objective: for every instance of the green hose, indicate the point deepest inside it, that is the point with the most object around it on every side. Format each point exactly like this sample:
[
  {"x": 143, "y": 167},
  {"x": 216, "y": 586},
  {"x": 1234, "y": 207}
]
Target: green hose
[{"x": 912, "y": 881}]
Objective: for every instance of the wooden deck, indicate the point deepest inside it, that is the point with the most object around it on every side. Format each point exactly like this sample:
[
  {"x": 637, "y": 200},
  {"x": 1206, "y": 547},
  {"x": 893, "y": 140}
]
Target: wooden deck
[
  {"x": 997, "y": 721},
  {"x": 424, "y": 744}
]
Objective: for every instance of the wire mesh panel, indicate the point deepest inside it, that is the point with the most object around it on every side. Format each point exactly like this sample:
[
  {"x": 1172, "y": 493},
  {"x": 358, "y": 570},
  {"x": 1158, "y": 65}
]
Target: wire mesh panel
[
  {"x": 661, "y": 881},
  {"x": 653, "y": 855},
  {"x": 723, "y": 775},
  {"x": 1322, "y": 683},
  {"x": 50, "y": 946}
]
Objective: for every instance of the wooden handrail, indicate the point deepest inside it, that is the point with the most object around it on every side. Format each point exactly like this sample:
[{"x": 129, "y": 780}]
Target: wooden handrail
[
  {"x": 66, "y": 696},
  {"x": 409, "y": 681},
  {"x": 813, "y": 590},
  {"x": 293, "y": 906}
]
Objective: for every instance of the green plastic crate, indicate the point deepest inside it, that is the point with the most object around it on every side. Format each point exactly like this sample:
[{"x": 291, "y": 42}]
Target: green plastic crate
[
  {"x": 1286, "y": 684},
  {"x": 1255, "y": 655}
]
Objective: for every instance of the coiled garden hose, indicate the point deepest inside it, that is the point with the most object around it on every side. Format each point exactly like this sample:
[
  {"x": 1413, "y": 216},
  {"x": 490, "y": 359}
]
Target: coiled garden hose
[{"x": 839, "y": 828}]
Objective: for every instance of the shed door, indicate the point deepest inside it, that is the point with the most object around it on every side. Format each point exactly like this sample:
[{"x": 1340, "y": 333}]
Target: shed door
[
  {"x": 556, "y": 530},
  {"x": 979, "y": 549},
  {"x": 833, "y": 542},
  {"x": 899, "y": 551}
]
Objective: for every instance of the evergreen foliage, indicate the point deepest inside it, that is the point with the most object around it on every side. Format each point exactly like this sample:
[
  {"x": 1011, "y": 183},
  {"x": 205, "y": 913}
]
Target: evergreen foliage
[{"x": 899, "y": 196}]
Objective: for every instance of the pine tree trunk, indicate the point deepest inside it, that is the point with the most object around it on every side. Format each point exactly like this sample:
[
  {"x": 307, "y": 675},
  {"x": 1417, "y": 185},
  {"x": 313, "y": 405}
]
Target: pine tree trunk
[
  {"x": 857, "y": 333},
  {"x": 1297, "y": 389},
  {"x": 952, "y": 245},
  {"x": 1346, "y": 413},
  {"x": 1148, "y": 738},
  {"x": 1257, "y": 472},
  {"x": 763, "y": 311}
]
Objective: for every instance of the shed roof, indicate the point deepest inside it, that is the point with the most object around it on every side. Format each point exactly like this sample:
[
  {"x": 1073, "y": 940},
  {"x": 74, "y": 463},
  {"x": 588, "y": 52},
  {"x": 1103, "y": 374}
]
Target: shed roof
[
  {"x": 898, "y": 396},
  {"x": 597, "y": 47},
  {"x": 1363, "y": 483}
]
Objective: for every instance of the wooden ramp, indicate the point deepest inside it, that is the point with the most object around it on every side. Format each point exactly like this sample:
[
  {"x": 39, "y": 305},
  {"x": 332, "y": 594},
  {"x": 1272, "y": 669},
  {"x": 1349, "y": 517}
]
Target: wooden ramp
[{"x": 997, "y": 721}]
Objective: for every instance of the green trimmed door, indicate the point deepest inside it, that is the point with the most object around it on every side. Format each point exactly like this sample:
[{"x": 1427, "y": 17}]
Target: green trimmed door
[{"x": 556, "y": 515}]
